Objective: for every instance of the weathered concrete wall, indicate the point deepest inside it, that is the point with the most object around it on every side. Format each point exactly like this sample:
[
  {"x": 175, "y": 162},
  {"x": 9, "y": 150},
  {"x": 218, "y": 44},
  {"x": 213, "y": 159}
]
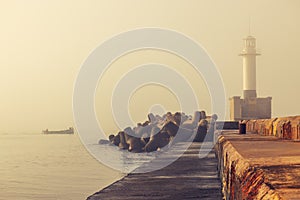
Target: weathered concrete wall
[
  {"x": 283, "y": 127},
  {"x": 241, "y": 180}
]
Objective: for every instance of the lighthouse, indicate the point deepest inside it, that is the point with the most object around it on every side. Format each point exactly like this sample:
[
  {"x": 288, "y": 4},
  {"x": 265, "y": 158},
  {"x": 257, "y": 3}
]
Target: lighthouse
[
  {"x": 250, "y": 106},
  {"x": 249, "y": 54}
]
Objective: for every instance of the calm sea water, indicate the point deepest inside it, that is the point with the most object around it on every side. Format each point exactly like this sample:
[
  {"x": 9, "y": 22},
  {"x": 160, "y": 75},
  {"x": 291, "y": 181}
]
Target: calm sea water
[{"x": 48, "y": 167}]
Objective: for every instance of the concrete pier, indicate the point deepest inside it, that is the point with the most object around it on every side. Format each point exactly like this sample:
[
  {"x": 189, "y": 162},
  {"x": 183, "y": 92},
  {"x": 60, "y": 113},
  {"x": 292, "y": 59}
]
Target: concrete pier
[
  {"x": 253, "y": 166},
  {"x": 187, "y": 178},
  {"x": 247, "y": 166}
]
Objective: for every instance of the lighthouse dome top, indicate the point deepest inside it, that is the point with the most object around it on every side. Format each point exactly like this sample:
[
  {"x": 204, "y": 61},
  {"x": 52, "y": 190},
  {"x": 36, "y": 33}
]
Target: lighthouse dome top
[{"x": 249, "y": 46}]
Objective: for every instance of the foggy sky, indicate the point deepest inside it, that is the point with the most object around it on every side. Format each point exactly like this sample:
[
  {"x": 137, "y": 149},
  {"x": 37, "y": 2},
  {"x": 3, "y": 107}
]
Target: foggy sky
[{"x": 44, "y": 43}]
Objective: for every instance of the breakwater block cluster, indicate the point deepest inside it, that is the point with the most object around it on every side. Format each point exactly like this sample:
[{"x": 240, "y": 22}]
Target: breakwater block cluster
[{"x": 160, "y": 131}]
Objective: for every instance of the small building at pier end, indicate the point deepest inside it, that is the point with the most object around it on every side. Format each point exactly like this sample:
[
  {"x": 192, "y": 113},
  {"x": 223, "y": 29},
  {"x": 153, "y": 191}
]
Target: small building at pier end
[{"x": 249, "y": 106}]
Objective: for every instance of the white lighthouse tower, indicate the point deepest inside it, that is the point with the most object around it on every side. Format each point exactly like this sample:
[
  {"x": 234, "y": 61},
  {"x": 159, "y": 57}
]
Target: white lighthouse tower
[
  {"x": 249, "y": 54},
  {"x": 250, "y": 107}
]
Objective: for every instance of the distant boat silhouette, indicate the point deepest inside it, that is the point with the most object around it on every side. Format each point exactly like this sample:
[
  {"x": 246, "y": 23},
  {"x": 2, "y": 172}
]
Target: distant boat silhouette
[{"x": 67, "y": 131}]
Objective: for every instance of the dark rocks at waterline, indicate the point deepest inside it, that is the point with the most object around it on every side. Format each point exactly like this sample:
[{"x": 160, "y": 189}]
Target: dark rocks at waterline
[
  {"x": 123, "y": 143},
  {"x": 115, "y": 139},
  {"x": 136, "y": 145},
  {"x": 171, "y": 128},
  {"x": 103, "y": 141},
  {"x": 158, "y": 140},
  {"x": 161, "y": 131}
]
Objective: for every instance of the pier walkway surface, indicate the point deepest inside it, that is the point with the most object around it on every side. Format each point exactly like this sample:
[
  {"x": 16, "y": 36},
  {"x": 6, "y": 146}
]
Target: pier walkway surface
[
  {"x": 259, "y": 167},
  {"x": 189, "y": 177}
]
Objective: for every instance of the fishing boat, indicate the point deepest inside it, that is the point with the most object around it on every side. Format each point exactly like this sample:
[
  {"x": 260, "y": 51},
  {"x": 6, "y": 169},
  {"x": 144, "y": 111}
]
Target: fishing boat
[{"x": 67, "y": 131}]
